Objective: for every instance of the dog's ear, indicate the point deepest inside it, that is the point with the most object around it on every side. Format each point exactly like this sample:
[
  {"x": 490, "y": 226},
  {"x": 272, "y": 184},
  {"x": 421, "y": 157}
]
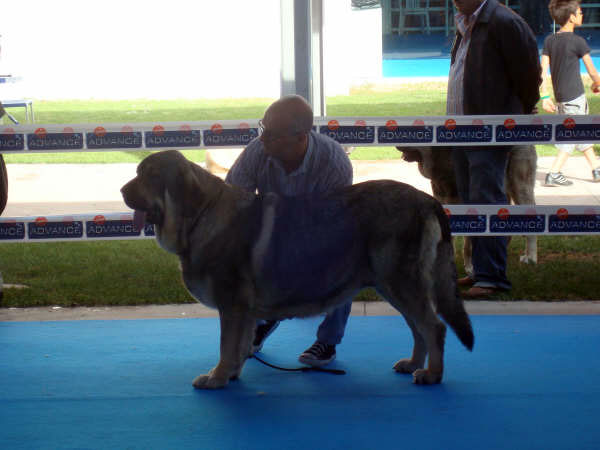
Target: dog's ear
[{"x": 184, "y": 188}]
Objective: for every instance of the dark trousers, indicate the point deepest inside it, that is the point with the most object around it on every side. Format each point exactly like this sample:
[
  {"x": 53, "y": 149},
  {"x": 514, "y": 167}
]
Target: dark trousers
[{"x": 480, "y": 180}]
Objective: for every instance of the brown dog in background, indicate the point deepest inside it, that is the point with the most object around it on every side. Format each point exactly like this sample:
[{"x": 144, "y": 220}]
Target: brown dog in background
[{"x": 436, "y": 165}]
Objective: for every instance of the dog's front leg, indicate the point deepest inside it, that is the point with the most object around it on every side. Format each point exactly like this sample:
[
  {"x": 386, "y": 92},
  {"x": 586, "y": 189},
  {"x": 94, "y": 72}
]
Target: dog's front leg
[{"x": 237, "y": 332}]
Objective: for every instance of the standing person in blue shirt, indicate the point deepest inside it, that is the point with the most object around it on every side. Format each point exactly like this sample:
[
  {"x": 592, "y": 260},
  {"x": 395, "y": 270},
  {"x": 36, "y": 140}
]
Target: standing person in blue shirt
[
  {"x": 562, "y": 52},
  {"x": 494, "y": 69},
  {"x": 290, "y": 159}
]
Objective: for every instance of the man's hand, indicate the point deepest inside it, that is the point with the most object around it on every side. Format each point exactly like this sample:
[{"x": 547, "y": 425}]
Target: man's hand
[
  {"x": 548, "y": 105},
  {"x": 595, "y": 87}
]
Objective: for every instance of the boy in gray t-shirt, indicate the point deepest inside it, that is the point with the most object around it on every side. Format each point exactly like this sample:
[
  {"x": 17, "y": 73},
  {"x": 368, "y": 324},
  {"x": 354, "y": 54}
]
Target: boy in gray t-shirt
[{"x": 562, "y": 52}]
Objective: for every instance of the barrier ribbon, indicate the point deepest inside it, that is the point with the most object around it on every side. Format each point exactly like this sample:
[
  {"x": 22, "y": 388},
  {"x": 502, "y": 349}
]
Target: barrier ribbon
[
  {"x": 363, "y": 131},
  {"x": 465, "y": 220}
]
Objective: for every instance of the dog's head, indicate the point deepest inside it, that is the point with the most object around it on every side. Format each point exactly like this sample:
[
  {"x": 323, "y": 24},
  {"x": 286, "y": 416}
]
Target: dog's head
[
  {"x": 410, "y": 154},
  {"x": 166, "y": 191},
  {"x": 422, "y": 156}
]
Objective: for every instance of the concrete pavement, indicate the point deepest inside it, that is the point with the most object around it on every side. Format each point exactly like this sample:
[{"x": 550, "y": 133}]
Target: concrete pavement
[
  {"x": 196, "y": 310},
  {"x": 49, "y": 189}
]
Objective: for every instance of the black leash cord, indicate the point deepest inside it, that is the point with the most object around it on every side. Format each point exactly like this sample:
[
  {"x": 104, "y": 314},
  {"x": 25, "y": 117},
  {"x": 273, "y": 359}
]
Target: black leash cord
[{"x": 301, "y": 369}]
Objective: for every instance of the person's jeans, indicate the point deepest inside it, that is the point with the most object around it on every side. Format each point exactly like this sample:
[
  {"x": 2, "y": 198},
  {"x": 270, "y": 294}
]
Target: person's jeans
[
  {"x": 480, "y": 180},
  {"x": 331, "y": 330}
]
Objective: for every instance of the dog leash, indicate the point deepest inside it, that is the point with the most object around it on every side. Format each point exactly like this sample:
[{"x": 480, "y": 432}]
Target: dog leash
[{"x": 301, "y": 369}]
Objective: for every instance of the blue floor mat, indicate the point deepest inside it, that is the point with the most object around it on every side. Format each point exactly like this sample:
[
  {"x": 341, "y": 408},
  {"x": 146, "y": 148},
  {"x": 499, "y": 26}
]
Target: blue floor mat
[{"x": 531, "y": 382}]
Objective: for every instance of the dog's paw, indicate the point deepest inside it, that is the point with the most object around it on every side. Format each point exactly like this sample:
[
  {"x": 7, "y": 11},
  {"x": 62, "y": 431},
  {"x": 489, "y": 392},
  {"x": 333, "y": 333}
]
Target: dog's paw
[
  {"x": 527, "y": 259},
  {"x": 424, "y": 376},
  {"x": 406, "y": 366},
  {"x": 207, "y": 381}
]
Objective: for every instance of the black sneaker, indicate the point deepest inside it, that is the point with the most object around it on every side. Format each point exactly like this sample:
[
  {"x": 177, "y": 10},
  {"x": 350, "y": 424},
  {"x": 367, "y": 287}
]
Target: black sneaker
[
  {"x": 596, "y": 175},
  {"x": 263, "y": 331},
  {"x": 318, "y": 355},
  {"x": 557, "y": 179}
]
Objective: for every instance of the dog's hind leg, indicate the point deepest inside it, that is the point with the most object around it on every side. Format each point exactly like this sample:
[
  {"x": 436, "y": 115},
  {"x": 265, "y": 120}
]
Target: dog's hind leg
[
  {"x": 419, "y": 354},
  {"x": 468, "y": 256},
  {"x": 237, "y": 332},
  {"x": 429, "y": 334}
]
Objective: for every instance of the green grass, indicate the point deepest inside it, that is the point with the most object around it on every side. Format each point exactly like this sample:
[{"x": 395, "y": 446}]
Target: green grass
[{"x": 140, "y": 273}]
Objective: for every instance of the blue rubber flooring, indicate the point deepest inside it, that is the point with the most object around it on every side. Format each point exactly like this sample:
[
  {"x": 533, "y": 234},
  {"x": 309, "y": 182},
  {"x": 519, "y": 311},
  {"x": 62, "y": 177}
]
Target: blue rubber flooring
[{"x": 531, "y": 383}]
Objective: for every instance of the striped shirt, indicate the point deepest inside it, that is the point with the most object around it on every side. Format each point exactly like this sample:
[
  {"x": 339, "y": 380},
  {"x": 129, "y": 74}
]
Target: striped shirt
[
  {"x": 325, "y": 167},
  {"x": 455, "y": 96}
]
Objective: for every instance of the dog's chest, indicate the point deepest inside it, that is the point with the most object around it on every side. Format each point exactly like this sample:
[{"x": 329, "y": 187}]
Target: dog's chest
[{"x": 201, "y": 290}]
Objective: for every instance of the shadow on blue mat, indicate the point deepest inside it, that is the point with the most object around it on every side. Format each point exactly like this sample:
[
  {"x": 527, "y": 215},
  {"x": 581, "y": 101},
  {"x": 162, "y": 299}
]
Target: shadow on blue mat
[{"x": 531, "y": 382}]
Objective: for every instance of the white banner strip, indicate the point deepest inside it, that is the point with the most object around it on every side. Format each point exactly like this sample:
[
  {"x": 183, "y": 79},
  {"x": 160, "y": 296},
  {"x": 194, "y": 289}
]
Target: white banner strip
[
  {"x": 465, "y": 220},
  {"x": 351, "y": 131}
]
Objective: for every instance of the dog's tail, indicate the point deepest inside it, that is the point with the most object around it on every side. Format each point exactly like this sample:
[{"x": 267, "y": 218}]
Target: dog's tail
[{"x": 448, "y": 301}]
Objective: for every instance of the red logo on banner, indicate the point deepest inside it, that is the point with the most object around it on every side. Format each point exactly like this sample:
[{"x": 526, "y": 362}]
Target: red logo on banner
[
  {"x": 68, "y": 131},
  {"x": 569, "y": 122},
  {"x": 333, "y": 125},
  {"x": 418, "y": 123},
  {"x": 99, "y": 220},
  {"x": 450, "y": 124},
  {"x": 447, "y": 211},
  {"x": 503, "y": 213},
  {"x": 9, "y": 131},
  {"x": 562, "y": 213},
  {"x": 41, "y": 132},
  {"x": 478, "y": 122},
  {"x": 158, "y": 130},
  {"x": 100, "y": 131},
  {"x": 216, "y": 128},
  {"x": 41, "y": 221},
  {"x": 472, "y": 211},
  {"x": 391, "y": 125},
  {"x": 509, "y": 124},
  {"x": 127, "y": 129},
  {"x": 185, "y": 128},
  {"x": 360, "y": 123},
  {"x": 244, "y": 126}
]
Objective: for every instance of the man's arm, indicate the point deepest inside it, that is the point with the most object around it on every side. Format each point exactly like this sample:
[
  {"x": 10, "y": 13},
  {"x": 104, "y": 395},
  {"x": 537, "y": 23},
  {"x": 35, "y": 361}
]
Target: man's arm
[
  {"x": 591, "y": 69},
  {"x": 547, "y": 102},
  {"x": 520, "y": 52},
  {"x": 243, "y": 171}
]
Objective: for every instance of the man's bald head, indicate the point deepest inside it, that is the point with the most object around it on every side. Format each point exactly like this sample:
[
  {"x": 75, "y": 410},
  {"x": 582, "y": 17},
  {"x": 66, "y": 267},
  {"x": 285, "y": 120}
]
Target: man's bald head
[
  {"x": 290, "y": 114},
  {"x": 285, "y": 130}
]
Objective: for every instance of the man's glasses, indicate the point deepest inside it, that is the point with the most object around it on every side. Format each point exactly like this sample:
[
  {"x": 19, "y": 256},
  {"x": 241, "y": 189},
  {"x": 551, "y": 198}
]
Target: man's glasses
[{"x": 268, "y": 136}]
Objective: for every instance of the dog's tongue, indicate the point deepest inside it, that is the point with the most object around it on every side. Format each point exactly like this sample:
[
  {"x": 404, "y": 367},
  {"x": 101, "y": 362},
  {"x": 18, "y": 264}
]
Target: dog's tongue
[{"x": 139, "y": 218}]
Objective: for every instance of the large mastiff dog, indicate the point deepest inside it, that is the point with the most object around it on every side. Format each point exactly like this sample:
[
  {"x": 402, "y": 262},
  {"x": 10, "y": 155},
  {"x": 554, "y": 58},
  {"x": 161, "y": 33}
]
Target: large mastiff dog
[
  {"x": 265, "y": 256},
  {"x": 436, "y": 165}
]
